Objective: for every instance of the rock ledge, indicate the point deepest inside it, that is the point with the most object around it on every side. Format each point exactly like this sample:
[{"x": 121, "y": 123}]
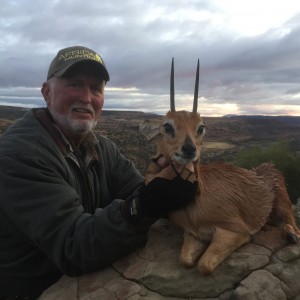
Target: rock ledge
[{"x": 266, "y": 268}]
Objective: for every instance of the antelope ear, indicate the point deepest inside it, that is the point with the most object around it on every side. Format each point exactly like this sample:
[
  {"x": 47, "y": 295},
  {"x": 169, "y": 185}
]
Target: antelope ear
[{"x": 151, "y": 130}]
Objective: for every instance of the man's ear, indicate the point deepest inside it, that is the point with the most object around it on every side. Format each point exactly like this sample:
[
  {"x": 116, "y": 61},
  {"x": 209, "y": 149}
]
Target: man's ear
[
  {"x": 151, "y": 130},
  {"x": 45, "y": 90}
]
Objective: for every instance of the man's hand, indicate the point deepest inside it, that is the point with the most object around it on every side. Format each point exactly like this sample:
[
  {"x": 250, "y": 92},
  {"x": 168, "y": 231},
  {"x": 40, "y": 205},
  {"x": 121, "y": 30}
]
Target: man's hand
[
  {"x": 162, "y": 196},
  {"x": 161, "y": 167},
  {"x": 173, "y": 188}
]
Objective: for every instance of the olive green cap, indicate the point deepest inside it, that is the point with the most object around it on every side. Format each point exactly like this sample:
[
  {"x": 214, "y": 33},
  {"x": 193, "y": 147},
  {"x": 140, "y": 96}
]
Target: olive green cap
[{"x": 68, "y": 57}]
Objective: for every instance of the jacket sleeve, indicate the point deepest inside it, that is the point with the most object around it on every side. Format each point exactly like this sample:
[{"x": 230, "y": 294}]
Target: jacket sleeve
[{"x": 41, "y": 208}]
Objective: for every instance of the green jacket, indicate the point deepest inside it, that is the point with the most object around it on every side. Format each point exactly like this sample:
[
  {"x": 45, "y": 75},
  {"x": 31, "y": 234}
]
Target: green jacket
[{"x": 60, "y": 213}]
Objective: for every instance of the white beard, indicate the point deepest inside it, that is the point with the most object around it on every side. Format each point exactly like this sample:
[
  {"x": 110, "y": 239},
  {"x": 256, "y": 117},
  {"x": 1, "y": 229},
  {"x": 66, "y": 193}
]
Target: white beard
[{"x": 77, "y": 126}]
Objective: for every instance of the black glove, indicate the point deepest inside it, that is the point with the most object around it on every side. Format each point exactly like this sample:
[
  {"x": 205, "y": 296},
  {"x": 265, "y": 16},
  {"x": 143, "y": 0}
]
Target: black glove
[{"x": 160, "y": 197}]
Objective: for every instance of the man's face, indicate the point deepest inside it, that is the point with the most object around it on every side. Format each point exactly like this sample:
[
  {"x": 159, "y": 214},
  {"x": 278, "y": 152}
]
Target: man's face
[{"x": 75, "y": 101}]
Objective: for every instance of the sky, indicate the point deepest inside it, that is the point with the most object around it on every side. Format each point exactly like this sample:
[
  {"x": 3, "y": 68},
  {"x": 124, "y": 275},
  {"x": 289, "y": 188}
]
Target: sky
[{"x": 249, "y": 52}]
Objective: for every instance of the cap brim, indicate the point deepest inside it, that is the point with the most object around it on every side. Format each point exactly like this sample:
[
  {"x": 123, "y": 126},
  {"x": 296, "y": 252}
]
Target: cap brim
[{"x": 100, "y": 67}]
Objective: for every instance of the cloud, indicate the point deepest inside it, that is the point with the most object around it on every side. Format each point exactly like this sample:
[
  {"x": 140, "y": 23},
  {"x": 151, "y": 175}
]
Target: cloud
[{"x": 137, "y": 40}]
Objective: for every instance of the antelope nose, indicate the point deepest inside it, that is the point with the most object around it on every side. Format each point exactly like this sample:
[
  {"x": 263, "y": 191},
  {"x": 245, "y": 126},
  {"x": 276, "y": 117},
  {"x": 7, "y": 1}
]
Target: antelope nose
[{"x": 188, "y": 149}]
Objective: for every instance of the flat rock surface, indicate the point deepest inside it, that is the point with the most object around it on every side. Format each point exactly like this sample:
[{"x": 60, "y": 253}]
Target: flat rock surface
[{"x": 266, "y": 268}]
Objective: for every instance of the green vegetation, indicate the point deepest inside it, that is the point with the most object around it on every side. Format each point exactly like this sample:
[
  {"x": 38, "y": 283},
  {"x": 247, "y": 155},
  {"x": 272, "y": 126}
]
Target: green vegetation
[{"x": 282, "y": 157}]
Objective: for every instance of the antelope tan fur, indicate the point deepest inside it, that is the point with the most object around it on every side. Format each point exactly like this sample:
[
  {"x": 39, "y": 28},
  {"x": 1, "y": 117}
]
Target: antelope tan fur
[{"x": 231, "y": 204}]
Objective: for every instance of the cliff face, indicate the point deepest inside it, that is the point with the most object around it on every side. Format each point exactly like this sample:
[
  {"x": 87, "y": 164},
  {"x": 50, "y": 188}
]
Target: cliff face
[{"x": 266, "y": 268}]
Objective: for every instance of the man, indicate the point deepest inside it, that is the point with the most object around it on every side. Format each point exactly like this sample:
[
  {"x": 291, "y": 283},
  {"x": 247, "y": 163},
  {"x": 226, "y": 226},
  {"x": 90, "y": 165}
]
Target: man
[{"x": 70, "y": 201}]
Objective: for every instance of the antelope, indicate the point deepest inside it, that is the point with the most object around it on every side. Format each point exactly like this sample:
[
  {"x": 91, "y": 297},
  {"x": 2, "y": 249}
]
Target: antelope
[{"x": 231, "y": 204}]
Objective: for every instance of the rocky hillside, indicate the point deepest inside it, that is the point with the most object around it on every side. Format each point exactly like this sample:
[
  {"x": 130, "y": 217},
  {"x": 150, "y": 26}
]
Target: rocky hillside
[{"x": 224, "y": 138}]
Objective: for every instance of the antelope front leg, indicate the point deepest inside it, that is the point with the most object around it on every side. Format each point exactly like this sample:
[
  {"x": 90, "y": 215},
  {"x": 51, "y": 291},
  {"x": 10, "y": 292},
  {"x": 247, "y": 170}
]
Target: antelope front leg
[
  {"x": 224, "y": 242},
  {"x": 191, "y": 250}
]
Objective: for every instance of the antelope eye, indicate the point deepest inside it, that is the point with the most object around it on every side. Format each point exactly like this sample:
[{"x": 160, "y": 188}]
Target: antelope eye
[
  {"x": 169, "y": 129},
  {"x": 200, "y": 129}
]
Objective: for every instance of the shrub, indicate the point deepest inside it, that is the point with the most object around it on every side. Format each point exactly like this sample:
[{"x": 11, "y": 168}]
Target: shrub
[{"x": 281, "y": 156}]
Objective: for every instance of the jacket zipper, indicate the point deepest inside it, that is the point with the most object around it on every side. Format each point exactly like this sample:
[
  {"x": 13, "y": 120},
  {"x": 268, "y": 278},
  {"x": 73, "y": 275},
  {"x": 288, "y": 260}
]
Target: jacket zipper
[{"x": 88, "y": 199}]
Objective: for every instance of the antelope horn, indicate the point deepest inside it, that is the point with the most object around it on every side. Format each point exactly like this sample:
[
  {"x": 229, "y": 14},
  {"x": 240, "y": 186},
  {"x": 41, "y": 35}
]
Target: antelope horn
[
  {"x": 172, "y": 97},
  {"x": 195, "y": 105}
]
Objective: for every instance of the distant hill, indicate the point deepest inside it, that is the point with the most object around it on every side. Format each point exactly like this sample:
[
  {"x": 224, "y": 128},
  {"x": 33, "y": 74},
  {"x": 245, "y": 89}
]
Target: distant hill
[
  {"x": 12, "y": 112},
  {"x": 288, "y": 120},
  {"x": 224, "y": 138}
]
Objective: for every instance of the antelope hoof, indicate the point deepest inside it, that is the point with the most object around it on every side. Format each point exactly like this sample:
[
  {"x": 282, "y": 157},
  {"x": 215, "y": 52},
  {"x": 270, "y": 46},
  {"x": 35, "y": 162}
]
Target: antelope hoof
[
  {"x": 291, "y": 235},
  {"x": 205, "y": 268}
]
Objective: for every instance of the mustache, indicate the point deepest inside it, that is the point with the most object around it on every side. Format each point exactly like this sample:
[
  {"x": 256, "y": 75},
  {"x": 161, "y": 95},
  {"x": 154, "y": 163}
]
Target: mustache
[{"x": 88, "y": 108}]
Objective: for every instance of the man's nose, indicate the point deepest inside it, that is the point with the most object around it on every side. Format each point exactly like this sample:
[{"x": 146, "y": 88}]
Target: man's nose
[{"x": 86, "y": 94}]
